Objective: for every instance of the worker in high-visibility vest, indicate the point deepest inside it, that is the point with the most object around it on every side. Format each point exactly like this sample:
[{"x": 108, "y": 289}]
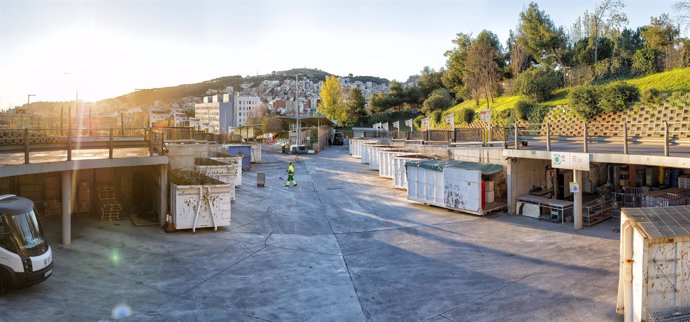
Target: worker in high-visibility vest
[{"x": 291, "y": 174}]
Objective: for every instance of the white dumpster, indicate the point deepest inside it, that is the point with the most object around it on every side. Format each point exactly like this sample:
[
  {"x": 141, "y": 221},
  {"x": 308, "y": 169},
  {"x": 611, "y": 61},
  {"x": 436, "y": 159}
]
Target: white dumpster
[
  {"x": 384, "y": 160},
  {"x": 256, "y": 153},
  {"x": 375, "y": 155},
  {"x": 398, "y": 169},
  {"x": 425, "y": 181},
  {"x": 368, "y": 151},
  {"x": 357, "y": 143},
  {"x": 654, "y": 281},
  {"x": 221, "y": 171},
  {"x": 199, "y": 201},
  {"x": 469, "y": 187},
  {"x": 234, "y": 161}
]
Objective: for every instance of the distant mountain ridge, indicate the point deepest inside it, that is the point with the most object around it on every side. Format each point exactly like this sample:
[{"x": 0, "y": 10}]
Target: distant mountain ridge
[{"x": 148, "y": 96}]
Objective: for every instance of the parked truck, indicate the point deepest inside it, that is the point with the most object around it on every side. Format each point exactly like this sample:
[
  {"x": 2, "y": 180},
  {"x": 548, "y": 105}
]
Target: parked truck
[{"x": 25, "y": 256}]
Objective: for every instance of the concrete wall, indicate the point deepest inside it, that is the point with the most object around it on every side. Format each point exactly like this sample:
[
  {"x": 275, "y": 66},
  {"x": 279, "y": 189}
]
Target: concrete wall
[{"x": 181, "y": 156}]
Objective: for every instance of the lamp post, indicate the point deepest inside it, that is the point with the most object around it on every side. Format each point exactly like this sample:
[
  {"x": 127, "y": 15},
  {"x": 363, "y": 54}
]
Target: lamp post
[
  {"x": 297, "y": 107},
  {"x": 28, "y": 98}
]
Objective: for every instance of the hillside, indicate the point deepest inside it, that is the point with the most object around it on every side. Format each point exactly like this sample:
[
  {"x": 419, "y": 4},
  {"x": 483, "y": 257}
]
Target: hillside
[
  {"x": 171, "y": 93},
  {"x": 677, "y": 80}
]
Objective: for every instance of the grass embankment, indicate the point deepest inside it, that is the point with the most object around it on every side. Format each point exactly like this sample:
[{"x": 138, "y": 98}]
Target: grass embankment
[{"x": 677, "y": 80}]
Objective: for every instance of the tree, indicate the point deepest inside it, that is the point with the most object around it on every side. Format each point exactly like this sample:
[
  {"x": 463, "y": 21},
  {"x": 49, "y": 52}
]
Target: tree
[
  {"x": 540, "y": 37},
  {"x": 355, "y": 107},
  {"x": 682, "y": 9},
  {"x": 271, "y": 124},
  {"x": 660, "y": 33},
  {"x": 628, "y": 42},
  {"x": 453, "y": 77},
  {"x": 607, "y": 16},
  {"x": 332, "y": 103},
  {"x": 429, "y": 80},
  {"x": 517, "y": 56},
  {"x": 482, "y": 68},
  {"x": 438, "y": 100}
]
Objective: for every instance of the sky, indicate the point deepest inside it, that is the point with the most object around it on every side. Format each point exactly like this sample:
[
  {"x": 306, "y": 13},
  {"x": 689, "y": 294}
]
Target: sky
[{"x": 104, "y": 49}]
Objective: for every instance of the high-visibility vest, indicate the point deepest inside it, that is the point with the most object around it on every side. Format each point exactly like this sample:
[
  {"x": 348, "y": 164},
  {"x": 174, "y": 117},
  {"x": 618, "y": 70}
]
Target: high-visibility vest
[{"x": 291, "y": 169}]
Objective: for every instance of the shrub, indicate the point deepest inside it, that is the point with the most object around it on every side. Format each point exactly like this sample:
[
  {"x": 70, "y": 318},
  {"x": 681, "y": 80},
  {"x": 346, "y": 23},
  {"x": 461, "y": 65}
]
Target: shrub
[
  {"x": 647, "y": 61},
  {"x": 436, "y": 117},
  {"x": 418, "y": 121},
  {"x": 467, "y": 115},
  {"x": 523, "y": 109},
  {"x": 438, "y": 100},
  {"x": 616, "y": 97},
  {"x": 538, "y": 114},
  {"x": 504, "y": 117},
  {"x": 612, "y": 68},
  {"x": 651, "y": 96},
  {"x": 583, "y": 100},
  {"x": 537, "y": 83}
]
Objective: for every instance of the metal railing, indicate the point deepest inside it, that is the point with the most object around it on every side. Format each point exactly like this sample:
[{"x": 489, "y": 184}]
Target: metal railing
[
  {"x": 68, "y": 140},
  {"x": 585, "y": 133}
]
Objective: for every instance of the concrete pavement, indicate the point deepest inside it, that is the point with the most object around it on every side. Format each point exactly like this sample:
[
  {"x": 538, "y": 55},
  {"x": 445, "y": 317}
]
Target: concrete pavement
[{"x": 341, "y": 246}]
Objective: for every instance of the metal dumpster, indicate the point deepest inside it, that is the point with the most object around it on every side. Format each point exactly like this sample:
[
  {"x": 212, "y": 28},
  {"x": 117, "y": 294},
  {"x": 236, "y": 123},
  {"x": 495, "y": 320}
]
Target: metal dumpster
[
  {"x": 654, "y": 279},
  {"x": 241, "y": 149},
  {"x": 386, "y": 162},
  {"x": 233, "y": 161},
  {"x": 378, "y": 155},
  {"x": 256, "y": 153},
  {"x": 199, "y": 201},
  {"x": 368, "y": 151},
  {"x": 221, "y": 171},
  {"x": 399, "y": 171}
]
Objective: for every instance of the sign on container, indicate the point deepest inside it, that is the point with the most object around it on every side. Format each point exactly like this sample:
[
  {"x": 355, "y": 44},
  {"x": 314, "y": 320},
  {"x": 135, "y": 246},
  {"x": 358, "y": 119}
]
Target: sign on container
[{"x": 570, "y": 160}]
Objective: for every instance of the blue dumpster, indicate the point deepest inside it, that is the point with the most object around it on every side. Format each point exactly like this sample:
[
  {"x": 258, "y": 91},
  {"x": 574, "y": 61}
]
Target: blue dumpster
[{"x": 246, "y": 151}]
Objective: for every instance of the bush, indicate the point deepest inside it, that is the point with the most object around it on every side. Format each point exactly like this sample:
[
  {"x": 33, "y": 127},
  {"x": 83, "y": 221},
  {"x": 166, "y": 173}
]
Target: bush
[
  {"x": 647, "y": 61},
  {"x": 523, "y": 109},
  {"x": 467, "y": 115},
  {"x": 504, "y": 117},
  {"x": 538, "y": 114},
  {"x": 652, "y": 96},
  {"x": 616, "y": 97},
  {"x": 583, "y": 100},
  {"x": 438, "y": 100},
  {"x": 538, "y": 83},
  {"x": 436, "y": 117},
  {"x": 418, "y": 121},
  {"x": 612, "y": 68}
]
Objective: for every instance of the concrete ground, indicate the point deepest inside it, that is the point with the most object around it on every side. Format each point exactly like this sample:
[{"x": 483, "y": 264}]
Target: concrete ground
[{"x": 341, "y": 246}]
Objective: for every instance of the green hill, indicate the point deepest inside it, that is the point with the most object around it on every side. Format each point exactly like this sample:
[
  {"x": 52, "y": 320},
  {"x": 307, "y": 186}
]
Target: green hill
[{"x": 677, "y": 80}]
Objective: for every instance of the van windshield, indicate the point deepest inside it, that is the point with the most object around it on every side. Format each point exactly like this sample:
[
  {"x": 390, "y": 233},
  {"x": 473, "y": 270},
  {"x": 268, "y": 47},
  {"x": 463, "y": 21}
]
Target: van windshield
[{"x": 25, "y": 230}]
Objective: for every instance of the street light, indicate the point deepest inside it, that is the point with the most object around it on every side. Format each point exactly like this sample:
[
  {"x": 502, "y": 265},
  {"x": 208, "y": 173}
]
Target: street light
[
  {"x": 297, "y": 107},
  {"x": 28, "y": 98}
]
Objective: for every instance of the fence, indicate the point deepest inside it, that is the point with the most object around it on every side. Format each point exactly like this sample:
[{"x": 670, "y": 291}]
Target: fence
[{"x": 585, "y": 133}]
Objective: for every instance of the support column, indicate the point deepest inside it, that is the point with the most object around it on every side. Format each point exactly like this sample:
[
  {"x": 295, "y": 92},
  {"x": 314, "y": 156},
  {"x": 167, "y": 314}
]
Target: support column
[
  {"x": 66, "y": 207},
  {"x": 511, "y": 183},
  {"x": 163, "y": 207},
  {"x": 577, "y": 198}
]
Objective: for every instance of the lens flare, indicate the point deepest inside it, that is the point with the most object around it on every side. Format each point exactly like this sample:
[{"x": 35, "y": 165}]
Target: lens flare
[
  {"x": 115, "y": 257},
  {"x": 121, "y": 311}
]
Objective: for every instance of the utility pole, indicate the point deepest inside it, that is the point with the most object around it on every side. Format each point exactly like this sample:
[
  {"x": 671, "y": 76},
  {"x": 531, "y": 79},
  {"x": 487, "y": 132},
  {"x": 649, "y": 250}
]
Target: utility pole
[{"x": 297, "y": 106}]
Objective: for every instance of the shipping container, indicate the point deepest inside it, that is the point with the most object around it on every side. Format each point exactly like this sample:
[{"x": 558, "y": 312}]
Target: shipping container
[
  {"x": 654, "y": 279},
  {"x": 453, "y": 185},
  {"x": 241, "y": 149},
  {"x": 198, "y": 201},
  {"x": 386, "y": 161},
  {"x": 221, "y": 171},
  {"x": 398, "y": 169}
]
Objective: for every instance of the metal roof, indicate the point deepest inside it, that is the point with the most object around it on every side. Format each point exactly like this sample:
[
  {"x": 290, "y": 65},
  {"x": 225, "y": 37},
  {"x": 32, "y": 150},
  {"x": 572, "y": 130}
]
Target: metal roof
[
  {"x": 15, "y": 205},
  {"x": 661, "y": 222}
]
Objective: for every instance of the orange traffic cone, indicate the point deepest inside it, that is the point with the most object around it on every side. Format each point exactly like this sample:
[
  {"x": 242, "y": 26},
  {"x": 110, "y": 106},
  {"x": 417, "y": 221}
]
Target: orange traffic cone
[{"x": 169, "y": 228}]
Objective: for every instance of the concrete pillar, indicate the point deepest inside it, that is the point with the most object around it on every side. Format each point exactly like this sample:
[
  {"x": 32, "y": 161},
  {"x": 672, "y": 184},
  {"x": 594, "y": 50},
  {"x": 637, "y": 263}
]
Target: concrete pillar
[
  {"x": 577, "y": 198},
  {"x": 66, "y": 207},
  {"x": 163, "y": 207},
  {"x": 511, "y": 184}
]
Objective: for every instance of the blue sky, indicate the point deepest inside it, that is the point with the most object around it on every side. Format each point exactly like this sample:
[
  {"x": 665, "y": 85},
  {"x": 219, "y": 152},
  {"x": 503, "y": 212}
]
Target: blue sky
[{"x": 109, "y": 48}]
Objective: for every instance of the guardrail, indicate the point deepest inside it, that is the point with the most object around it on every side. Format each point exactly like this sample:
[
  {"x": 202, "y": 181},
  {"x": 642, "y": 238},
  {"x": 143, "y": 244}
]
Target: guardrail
[
  {"x": 585, "y": 133},
  {"x": 441, "y": 136},
  {"x": 37, "y": 140}
]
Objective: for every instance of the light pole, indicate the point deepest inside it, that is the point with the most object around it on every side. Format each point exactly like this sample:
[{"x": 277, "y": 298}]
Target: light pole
[
  {"x": 28, "y": 98},
  {"x": 76, "y": 107},
  {"x": 297, "y": 107}
]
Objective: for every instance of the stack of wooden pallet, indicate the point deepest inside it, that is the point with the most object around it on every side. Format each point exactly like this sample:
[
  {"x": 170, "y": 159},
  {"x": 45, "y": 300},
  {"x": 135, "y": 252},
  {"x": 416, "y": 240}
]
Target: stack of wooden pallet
[{"x": 108, "y": 206}]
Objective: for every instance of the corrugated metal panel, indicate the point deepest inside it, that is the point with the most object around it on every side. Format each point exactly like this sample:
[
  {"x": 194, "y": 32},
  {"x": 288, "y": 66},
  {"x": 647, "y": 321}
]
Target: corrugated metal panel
[{"x": 662, "y": 222}]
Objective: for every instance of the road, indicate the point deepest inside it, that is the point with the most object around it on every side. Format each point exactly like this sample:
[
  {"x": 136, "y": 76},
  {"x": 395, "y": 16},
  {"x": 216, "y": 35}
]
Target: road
[{"x": 341, "y": 246}]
